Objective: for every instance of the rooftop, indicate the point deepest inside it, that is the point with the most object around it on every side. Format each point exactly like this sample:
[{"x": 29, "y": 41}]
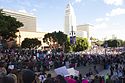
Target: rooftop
[{"x": 16, "y": 12}]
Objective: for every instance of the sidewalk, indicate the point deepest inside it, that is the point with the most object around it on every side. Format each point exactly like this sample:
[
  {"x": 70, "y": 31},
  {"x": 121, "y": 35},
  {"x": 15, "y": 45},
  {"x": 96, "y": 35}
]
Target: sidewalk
[
  {"x": 104, "y": 72},
  {"x": 82, "y": 69}
]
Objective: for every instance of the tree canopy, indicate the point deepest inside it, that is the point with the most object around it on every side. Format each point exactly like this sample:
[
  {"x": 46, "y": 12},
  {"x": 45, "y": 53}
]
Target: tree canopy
[
  {"x": 113, "y": 43},
  {"x": 30, "y": 43},
  {"x": 55, "y": 37},
  {"x": 64, "y": 41},
  {"x": 67, "y": 45},
  {"x": 8, "y": 26},
  {"x": 81, "y": 44}
]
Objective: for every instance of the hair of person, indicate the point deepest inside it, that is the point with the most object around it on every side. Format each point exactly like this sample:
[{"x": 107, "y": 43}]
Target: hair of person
[
  {"x": 61, "y": 79},
  {"x": 48, "y": 75},
  {"x": 7, "y": 79},
  {"x": 28, "y": 76}
]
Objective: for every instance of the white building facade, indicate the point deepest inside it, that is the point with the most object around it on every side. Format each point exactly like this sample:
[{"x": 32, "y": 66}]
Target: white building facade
[
  {"x": 86, "y": 28},
  {"x": 70, "y": 27},
  {"x": 70, "y": 20},
  {"x": 28, "y": 20},
  {"x": 29, "y": 28}
]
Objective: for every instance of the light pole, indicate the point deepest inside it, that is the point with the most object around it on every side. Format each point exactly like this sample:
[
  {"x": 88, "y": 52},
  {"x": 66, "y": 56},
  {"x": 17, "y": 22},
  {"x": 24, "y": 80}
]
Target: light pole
[
  {"x": 0, "y": 41},
  {"x": 106, "y": 46},
  {"x": 72, "y": 37},
  {"x": 64, "y": 46},
  {"x": 19, "y": 36}
]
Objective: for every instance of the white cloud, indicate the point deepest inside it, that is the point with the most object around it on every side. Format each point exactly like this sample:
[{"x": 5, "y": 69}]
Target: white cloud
[
  {"x": 102, "y": 19},
  {"x": 31, "y": 13},
  {"x": 34, "y": 10},
  {"x": 102, "y": 30},
  {"x": 106, "y": 19},
  {"x": 116, "y": 12},
  {"x": 107, "y": 29},
  {"x": 99, "y": 19},
  {"x": 114, "y": 2},
  {"x": 23, "y": 11},
  {"x": 78, "y": 1},
  {"x": 27, "y": 12},
  {"x": 102, "y": 25}
]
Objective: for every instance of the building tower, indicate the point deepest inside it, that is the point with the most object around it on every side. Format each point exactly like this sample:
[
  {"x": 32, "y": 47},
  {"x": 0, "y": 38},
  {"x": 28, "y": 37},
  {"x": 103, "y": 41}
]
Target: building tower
[{"x": 70, "y": 20}]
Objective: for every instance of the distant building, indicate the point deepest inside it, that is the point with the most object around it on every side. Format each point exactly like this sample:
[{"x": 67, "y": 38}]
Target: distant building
[
  {"x": 70, "y": 24},
  {"x": 85, "y": 28},
  {"x": 70, "y": 28},
  {"x": 114, "y": 36},
  {"x": 26, "y": 34},
  {"x": 70, "y": 20},
  {"x": 82, "y": 34},
  {"x": 29, "y": 28},
  {"x": 28, "y": 20}
]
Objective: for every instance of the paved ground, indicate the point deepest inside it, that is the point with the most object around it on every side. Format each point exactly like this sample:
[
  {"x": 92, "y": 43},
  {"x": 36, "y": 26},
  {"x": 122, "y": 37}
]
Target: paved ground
[
  {"x": 104, "y": 72},
  {"x": 83, "y": 70}
]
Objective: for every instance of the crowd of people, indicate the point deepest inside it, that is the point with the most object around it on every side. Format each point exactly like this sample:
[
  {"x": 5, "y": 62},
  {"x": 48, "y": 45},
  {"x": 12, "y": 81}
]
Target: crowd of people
[{"x": 29, "y": 66}]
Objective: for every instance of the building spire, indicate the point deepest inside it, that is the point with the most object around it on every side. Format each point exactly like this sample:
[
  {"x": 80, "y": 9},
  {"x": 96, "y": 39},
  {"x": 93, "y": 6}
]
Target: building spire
[
  {"x": 69, "y": 1},
  {"x": 70, "y": 19}
]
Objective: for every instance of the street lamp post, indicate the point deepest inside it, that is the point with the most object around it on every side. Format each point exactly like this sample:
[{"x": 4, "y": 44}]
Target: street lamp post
[
  {"x": 72, "y": 37},
  {"x": 64, "y": 46},
  {"x": 0, "y": 41},
  {"x": 19, "y": 38},
  {"x": 106, "y": 46}
]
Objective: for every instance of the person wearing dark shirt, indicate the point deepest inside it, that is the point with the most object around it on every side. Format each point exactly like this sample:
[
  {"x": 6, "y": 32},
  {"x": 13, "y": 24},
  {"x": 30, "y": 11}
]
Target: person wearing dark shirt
[{"x": 28, "y": 76}]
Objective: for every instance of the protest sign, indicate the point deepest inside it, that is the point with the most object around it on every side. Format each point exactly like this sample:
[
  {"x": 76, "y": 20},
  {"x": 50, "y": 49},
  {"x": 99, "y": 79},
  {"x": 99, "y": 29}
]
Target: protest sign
[
  {"x": 73, "y": 72},
  {"x": 61, "y": 71}
]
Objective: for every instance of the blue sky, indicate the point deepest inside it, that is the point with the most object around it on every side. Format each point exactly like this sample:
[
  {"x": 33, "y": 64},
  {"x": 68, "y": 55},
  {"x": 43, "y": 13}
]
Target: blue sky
[{"x": 107, "y": 16}]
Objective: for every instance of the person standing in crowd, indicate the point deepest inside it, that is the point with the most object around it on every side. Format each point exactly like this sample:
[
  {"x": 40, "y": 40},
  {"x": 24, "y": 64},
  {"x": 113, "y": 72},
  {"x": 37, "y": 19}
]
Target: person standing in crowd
[
  {"x": 42, "y": 77},
  {"x": 49, "y": 79},
  {"x": 3, "y": 70},
  {"x": 70, "y": 79},
  {"x": 85, "y": 80},
  {"x": 28, "y": 76},
  {"x": 95, "y": 69},
  {"x": 60, "y": 79},
  {"x": 7, "y": 79},
  {"x": 13, "y": 76}
]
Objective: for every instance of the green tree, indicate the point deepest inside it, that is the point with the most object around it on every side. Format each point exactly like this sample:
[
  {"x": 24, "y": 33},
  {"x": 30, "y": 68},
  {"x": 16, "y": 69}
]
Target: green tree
[
  {"x": 95, "y": 41},
  {"x": 67, "y": 45},
  {"x": 81, "y": 44},
  {"x": 49, "y": 38},
  {"x": 113, "y": 43},
  {"x": 58, "y": 37},
  {"x": 8, "y": 26},
  {"x": 31, "y": 43},
  {"x": 123, "y": 43}
]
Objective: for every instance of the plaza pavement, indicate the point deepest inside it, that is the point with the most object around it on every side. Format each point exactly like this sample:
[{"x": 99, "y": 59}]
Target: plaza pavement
[{"x": 84, "y": 70}]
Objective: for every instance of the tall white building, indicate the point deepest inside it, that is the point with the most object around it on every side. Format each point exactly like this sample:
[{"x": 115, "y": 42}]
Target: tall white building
[
  {"x": 84, "y": 30},
  {"x": 70, "y": 20},
  {"x": 70, "y": 28}
]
